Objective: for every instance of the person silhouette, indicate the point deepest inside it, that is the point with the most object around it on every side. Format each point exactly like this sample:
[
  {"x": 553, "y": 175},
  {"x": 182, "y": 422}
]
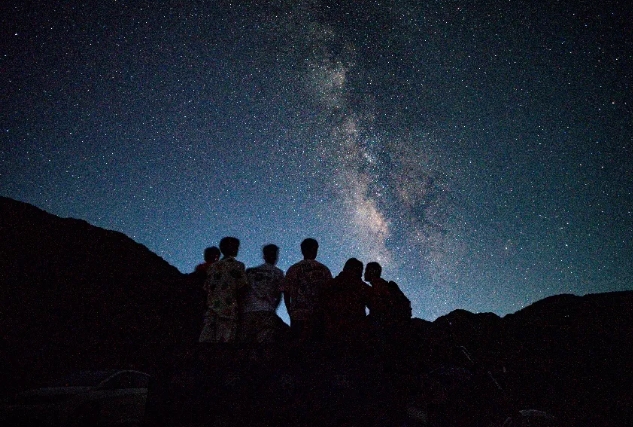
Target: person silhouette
[
  {"x": 225, "y": 278},
  {"x": 259, "y": 322},
  {"x": 302, "y": 292},
  {"x": 211, "y": 255},
  {"x": 345, "y": 299},
  {"x": 388, "y": 305}
]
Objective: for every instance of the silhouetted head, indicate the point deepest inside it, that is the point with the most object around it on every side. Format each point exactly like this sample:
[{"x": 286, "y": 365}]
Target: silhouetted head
[
  {"x": 212, "y": 254},
  {"x": 372, "y": 271},
  {"x": 354, "y": 267},
  {"x": 309, "y": 248},
  {"x": 271, "y": 254},
  {"x": 229, "y": 246}
]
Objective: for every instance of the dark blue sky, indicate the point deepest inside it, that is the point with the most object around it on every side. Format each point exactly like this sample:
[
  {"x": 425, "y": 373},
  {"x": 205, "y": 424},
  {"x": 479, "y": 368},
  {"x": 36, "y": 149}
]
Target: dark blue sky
[{"x": 481, "y": 151}]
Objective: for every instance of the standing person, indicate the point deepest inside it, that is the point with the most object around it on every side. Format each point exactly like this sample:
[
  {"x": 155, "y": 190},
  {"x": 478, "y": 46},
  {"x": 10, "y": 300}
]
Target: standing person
[
  {"x": 259, "y": 322},
  {"x": 225, "y": 279},
  {"x": 302, "y": 292},
  {"x": 211, "y": 255},
  {"x": 344, "y": 301}
]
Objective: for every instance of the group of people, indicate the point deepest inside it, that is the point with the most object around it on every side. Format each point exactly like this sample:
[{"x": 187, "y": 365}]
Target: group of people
[{"x": 242, "y": 303}]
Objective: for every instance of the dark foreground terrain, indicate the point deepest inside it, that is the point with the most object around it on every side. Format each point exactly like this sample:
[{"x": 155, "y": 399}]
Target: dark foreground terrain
[{"x": 75, "y": 297}]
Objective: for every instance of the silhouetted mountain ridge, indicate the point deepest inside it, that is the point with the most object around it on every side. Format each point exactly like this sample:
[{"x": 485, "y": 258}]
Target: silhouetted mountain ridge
[{"x": 77, "y": 296}]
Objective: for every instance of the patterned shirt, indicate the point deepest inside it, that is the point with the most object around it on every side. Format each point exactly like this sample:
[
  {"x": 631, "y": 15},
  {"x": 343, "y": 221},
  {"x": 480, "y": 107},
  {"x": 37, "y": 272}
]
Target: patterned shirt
[
  {"x": 303, "y": 286},
  {"x": 225, "y": 278},
  {"x": 264, "y": 290}
]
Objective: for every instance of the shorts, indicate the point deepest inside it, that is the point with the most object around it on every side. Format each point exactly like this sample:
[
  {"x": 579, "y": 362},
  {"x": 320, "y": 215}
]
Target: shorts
[{"x": 218, "y": 329}]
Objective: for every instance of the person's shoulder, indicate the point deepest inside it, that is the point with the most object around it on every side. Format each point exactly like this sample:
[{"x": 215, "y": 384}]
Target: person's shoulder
[
  {"x": 214, "y": 269},
  {"x": 383, "y": 282},
  {"x": 325, "y": 269},
  {"x": 393, "y": 285},
  {"x": 232, "y": 262},
  {"x": 221, "y": 263},
  {"x": 216, "y": 264},
  {"x": 261, "y": 268},
  {"x": 257, "y": 267},
  {"x": 295, "y": 266},
  {"x": 319, "y": 264}
]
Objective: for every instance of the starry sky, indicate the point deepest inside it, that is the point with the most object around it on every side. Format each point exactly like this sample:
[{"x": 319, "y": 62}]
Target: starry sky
[{"x": 481, "y": 151}]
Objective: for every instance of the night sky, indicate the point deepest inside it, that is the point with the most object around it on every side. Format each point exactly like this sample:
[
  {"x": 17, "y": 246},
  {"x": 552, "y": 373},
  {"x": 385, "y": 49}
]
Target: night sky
[{"x": 481, "y": 151}]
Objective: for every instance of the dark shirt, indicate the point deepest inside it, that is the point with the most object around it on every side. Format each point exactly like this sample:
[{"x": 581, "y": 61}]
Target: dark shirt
[
  {"x": 344, "y": 301},
  {"x": 302, "y": 288}
]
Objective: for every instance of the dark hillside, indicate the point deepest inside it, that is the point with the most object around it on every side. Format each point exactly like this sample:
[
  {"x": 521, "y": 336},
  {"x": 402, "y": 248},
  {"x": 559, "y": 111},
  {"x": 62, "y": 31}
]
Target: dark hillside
[
  {"x": 77, "y": 296},
  {"x": 576, "y": 351}
]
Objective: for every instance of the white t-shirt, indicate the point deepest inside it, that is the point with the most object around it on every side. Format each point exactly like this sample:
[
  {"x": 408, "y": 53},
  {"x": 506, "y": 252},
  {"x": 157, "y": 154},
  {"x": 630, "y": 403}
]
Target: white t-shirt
[{"x": 264, "y": 288}]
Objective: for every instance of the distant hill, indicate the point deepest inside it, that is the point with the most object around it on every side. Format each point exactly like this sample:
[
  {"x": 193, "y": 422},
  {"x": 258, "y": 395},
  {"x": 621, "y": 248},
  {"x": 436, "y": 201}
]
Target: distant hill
[{"x": 76, "y": 296}]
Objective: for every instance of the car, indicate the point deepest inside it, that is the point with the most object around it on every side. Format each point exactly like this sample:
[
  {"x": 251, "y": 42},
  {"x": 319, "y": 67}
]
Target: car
[{"x": 84, "y": 398}]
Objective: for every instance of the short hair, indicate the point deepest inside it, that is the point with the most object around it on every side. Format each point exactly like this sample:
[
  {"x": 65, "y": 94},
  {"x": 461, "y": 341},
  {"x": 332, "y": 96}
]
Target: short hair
[
  {"x": 211, "y": 253},
  {"x": 375, "y": 267},
  {"x": 309, "y": 248},
  {"x": 229, "y": 246},
  {"x": 271, "y": 252},
  {"x": 354, "y": 265}
]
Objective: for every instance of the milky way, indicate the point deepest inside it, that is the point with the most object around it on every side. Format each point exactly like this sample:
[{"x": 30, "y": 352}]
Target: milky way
[
  {"x": 394, "y": 197},
  {"x": 480, "y": 152}
]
